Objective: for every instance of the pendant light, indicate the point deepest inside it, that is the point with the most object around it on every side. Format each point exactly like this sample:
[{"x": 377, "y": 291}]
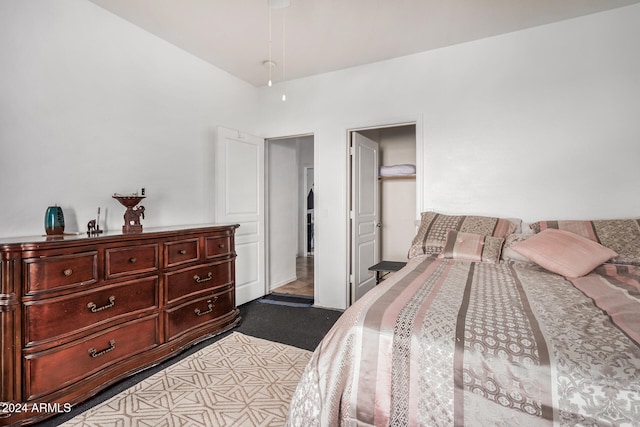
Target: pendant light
[{"x": 277, "y": 4}]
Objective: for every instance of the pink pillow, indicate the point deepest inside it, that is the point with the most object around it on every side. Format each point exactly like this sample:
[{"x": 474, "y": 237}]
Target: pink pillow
[{"x": 564, "y": 253}]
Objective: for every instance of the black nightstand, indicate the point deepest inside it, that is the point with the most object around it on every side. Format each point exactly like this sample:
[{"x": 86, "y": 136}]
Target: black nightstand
[{"x": 386, "y": 267}]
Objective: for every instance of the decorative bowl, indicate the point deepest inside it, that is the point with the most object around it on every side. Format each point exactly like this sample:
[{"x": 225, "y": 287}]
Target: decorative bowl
[{"x": 128, "y": 201}]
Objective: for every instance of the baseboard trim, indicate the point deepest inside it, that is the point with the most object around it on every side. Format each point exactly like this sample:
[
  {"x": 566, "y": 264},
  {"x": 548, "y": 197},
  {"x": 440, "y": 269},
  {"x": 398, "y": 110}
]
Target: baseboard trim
[{"x": 282, "y": 283}]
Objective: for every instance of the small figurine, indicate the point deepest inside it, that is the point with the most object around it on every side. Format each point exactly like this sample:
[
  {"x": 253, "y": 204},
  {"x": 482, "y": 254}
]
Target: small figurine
[
  {"x": 132, "y": 219},
  {"x": 93, "y": 226}
]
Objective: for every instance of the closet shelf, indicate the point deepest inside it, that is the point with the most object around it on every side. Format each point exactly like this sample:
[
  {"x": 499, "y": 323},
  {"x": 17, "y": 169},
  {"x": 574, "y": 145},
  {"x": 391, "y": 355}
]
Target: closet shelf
[{"x": 396, "y": 178}]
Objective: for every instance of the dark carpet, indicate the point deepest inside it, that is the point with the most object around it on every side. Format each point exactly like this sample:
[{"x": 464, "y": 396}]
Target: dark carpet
[{"x": 301, "y": 327}]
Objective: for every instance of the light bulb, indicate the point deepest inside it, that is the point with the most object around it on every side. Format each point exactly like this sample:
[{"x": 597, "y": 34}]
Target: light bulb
[
  {"x": 284, "y": 97},
  {"x": 270, "y": 83}
]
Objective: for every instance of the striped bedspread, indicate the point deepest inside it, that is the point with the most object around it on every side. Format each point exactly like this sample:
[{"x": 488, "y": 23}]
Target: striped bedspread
[{"x": 447, "y": 342}]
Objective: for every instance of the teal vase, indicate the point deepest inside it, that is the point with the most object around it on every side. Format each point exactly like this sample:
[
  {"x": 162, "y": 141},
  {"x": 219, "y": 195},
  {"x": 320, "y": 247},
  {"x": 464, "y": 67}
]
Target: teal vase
[{"x": 54, "y": 221}]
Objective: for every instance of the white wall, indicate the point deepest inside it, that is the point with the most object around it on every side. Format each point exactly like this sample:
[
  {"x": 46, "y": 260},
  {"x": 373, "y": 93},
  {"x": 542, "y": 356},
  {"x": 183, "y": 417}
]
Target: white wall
[
  {"x": 92, "y": 105},
  {"x": 283, "y": 211},
  {"x": 540, "y": 123},
  {"x": 536, "y": 124}
]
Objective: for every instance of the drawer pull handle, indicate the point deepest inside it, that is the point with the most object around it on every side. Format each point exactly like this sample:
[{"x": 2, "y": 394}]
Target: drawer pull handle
[
  {"x": 95, "y": 353},
  {"x": 68, "y": 272},
  {"x": 221, "y": 245},
  {"x": 199, "y": 279},
  {"x": 209, "y": 306},
  {"x": 94, "y": 308},
  {"x": 133, "y": 260},
  {"x": 182, "y": 252}
]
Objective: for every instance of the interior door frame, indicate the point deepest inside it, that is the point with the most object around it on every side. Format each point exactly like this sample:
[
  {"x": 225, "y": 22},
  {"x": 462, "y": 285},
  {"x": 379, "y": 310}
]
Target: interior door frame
[
  {"x": 267, "y": 200},
  {"x": 416, "y": 121}
]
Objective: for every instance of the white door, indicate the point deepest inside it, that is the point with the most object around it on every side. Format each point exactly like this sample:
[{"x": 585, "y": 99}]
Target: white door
[
  {"x": 364, "y": 213},
  {"x": 239, "y": 199}
]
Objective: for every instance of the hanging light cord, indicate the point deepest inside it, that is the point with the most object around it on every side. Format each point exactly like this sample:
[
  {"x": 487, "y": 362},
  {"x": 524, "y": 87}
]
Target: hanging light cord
[
  {"x": 270, "y": 64},
  {"x": 284, "y": 62}
]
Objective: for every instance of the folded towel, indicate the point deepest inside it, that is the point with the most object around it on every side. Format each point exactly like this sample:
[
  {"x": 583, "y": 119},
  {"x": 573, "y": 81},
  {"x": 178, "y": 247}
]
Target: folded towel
[{"x": 397, "y": 170}]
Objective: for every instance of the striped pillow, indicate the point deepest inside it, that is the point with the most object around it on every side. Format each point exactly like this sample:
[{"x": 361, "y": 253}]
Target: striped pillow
[
  {"x": 432, "y": 234},
  {"x": 620, "y": 235},
  {"x": 472, "y": 247}
]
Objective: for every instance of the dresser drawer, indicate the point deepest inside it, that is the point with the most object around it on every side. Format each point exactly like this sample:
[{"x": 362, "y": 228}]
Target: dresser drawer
[
  {"x": 181, "y": 252},
  {"x": 217, "y": 246},
  {"x": 48, "y": 319},
  {"x": 193, "y": 280},
  {"x": 51, "y": 370},
  {"x": 194, "y": 314},
  {"x": 60, "y": 271},
  {"x": 131, "y": 260}
]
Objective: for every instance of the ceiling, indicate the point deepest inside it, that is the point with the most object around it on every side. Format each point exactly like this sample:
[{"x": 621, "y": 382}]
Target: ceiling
[{"x": 328, "y": 35}]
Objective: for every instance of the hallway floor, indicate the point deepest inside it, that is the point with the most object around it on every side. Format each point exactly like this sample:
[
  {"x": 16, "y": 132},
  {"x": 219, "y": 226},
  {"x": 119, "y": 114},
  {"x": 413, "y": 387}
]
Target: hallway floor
[{"x": 304, "y": 284}]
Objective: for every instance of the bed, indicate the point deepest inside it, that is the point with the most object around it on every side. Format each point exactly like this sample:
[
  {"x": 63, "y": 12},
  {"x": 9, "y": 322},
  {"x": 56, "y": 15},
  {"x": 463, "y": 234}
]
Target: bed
[{"x": 489, "y": 326}]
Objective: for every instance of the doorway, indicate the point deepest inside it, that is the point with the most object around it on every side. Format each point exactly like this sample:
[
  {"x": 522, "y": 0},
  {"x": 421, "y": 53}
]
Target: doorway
[
  {"x": 386, "y": 234},
  {"x": 290, "y": 201}
]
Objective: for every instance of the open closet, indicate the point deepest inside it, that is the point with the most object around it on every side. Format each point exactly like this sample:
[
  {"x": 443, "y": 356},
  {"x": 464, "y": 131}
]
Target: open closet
[
  {"x": 383, "y": 208},
  {"x": 397, "y": 191}
]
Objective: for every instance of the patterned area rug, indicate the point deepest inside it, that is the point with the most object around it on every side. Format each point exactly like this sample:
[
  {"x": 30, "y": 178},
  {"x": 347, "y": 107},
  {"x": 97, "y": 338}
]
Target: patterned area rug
[{"x": 237, "y": 381}]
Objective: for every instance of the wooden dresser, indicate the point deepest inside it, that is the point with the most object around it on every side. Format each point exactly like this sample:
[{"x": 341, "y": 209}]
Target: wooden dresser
[{"x": 80, "y": 313}]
